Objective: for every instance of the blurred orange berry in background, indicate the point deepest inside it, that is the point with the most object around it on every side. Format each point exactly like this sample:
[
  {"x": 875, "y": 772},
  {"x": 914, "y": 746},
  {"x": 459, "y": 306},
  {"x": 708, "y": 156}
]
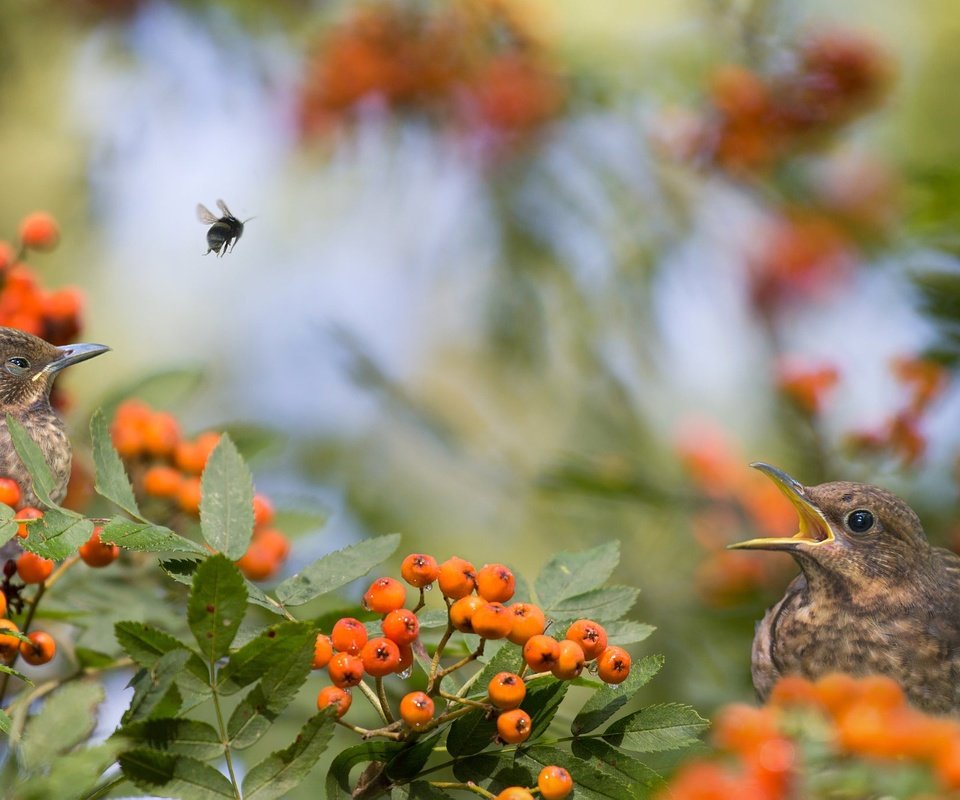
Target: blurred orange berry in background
[
  {"x": 806, "y": 385},
  {"x": 39, "y": 231}
]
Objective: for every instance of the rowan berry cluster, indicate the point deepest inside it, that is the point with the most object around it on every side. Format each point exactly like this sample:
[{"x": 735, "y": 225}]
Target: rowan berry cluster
[
  {"x": 837, "y": 720},
  {"x": 166, "y": 466},
  {"x": 476, "y": 603}
]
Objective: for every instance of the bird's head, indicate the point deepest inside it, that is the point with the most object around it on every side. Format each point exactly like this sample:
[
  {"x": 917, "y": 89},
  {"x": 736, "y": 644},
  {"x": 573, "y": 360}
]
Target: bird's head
[
  {"x": 28, "y": 366},
  {"x": 858, "y": 533}
]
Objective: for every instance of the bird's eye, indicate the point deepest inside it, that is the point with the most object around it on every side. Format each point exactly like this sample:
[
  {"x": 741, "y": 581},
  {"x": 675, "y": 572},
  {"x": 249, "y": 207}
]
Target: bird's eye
[
  {"x": 860, "y": 521},
  {"x": 17, "y": 365}
]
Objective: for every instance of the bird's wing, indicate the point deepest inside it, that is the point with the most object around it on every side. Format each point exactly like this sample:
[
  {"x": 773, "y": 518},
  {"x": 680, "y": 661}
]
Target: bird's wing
[{"x": 764, "y": 667}]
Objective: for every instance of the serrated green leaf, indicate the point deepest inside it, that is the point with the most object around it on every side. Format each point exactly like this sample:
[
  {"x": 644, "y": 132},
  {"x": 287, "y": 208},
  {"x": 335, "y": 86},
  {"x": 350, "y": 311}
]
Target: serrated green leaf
[
  {"x": 277, "y": 644},
  {"x": 111, "y": 477},
  {"x": 336, "y": 569},
  {"x": 182, "y": 736},
  {"x": 470, "y": 734},
  {"x": 627, "y": 631},
  {"x": 146, "y": 644},
  {"x": 169, "y": 775},
  {"x": 147, "y": 537},
  {"x": 506, "y": 659},
  {"x": 608, "y": 700},
  {"x": 419, "y": 790},
  {"x": 215, "y": 608},
  {"x": 406, "y": 764},
  {"x": 71, "y": 777},
  {"x": 603, "y": 605},
  {"x": 57, "y": 534},
  {"x": 281, "y": 771},
  {"x": 591, "y": 783},
  {"x": 183, "y": 569},
  {"x": 87, "y": 658},
  {"x": 66, "y": 719},
  {"x": 338, "y": 777},
  {"x": 642, "y": 781},
  {"x": 496, "y": 769},
  {"x": 665, "y": 726},
  {"x": 280, "y": 683},
  {"x": 569, "y": 574},
  {"x": 226, "y": 501},
  {"x": 5, "y": 722},
  {"x": 16, "y": 674},
  {"x": 542, "y": 702},
  {"x": 8, "y": 525},
  {"x": 29, "y": 451},
  {"x": 151, "y": 685}
]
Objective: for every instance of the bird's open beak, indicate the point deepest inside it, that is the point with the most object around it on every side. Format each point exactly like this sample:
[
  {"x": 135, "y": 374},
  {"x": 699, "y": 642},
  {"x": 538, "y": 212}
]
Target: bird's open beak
[
  {"x": 814, "y": 528},
  {"x": 71, "y": 354}
]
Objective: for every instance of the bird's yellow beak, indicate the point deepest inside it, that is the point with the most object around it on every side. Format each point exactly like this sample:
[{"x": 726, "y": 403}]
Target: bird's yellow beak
[{"x": 814, "y": 528}]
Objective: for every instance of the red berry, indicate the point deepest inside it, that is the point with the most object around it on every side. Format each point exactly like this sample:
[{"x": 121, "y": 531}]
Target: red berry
[
  {"x": 385, "y": 595},
  {"x": 514, "y": 726},
  {"x": 590, "y": 635},
  {"x": 613, "y": 665},
  {"x": 39, "y": 231},
  {"x": 554, "y": 783},
  {"x": 419, "y": 569},
  {"x": 9, "y": 492},
  {"x": 495, "y": 583},
  {"x": 457, "y": 578},
  {"x": 97, "y": 554},
  {"x": 33, "y": 569},
  {"x": 416, "y": 709},
  {"x": 569, "y": 662},
  {"x": 380, "y": 656},
  {"x": 334, "y": 696},
  {"x": 528, "y": 620},
  {"x": 345, "y": 670},
  {"x": 506, "y": 690},
  {"x": 541, "y": 652},
  {"x": 40, "y": 650},
  {"x": 491, "y": 621},
  {"x": 401, "y": 625},
  {"x": 23, "y": 530},
  {"x": 322, "y": 651},
  {"x": 348, "y": 635}
]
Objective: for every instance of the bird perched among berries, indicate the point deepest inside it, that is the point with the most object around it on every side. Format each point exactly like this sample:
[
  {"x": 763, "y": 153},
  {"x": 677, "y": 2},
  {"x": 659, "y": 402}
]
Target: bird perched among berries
[
  {"x": 873, "y": 596},
  {"x": 28, "y": 367}
]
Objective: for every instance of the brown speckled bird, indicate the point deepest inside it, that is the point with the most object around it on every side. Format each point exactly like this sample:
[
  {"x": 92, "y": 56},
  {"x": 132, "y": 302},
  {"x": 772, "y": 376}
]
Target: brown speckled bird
[
  {"x": 873, "y": 596},
  {"x": 28, "y": 367}
]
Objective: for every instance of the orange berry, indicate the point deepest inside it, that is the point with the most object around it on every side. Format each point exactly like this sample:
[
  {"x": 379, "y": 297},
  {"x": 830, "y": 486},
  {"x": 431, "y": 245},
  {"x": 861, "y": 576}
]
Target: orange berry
[
  {"x": 881, "y": 692},
  {"x": 23, "y": 530},
  {"x": 40, "y": 650},
  {"x": 127, "y": 441},
  {"x": 401, "y": 626},
  {"x": 380, "y": 656},
  {"x": 792, "y": 690},
  {"x": 7, "y": 256},
  {"x": 613, "y": 665},
  {"x": 491, "y": 621},
  {"x": 9, "y": 492},
  {"x": 188, "y": 495},
  {"x": 554, "y": 783},
  {"x": 457, "y": 578},
  {"x": 514, "y": 726},
  {"x": 348, "y": 635},
  {"x": 187, "y": 456},
  {"x": 514, "y": 793},
  {"x": 334, "y": 696},
  {"x": 274, "y": 542},
  {"x": 8, "y": 644},
  {"x": 506, "y": 690},
  {"x": 206, "y": 443},
  {"x": 3, "y": 603},
  {"x": 63, "y": 304},
  {"x": 263, "y": 512},
  {"x": 345, "y": 670},
  {"x": 322, "y": 651},
  {"x": 259, "y": 563},
  {"x": 39, "y": 231},
  {"x": 528, "y": 620},
  {"x": 96, "y": 553},
  {"x": 836, "y": 691},
  {"x": 462, "y": 611},
  {"x": 385, "y": 595},
  {"x": 590, "y": 635},
  {"x": 416, "y": 709},
  {"x": 744, "y": 729},
  {"x": 495, "y": 583},
  {"x": 541, "y": 652},
  {"x": 406, "y": 660},
  {"x": 33, "y": 569},
  {"x": 162, "y": 481},
  {"x": 419, "y": 570},
  {"x": 569, "y": 663},
  {"x": 161, "y": 434}
]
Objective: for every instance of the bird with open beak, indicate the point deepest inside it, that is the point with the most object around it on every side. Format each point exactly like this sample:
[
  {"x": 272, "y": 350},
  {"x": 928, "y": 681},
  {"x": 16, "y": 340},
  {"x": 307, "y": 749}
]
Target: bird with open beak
[{"x": 873, "y": 596}]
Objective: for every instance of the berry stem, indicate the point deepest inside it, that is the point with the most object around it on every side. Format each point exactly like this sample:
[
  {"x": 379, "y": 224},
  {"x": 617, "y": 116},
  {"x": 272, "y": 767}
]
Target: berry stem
[
  {"x": 435, "y": 681},
  {"x": 387, "y": 732},
  {"x": 421, "y": 602},
  {"x": 384, "y": 703},
  {"x": 469, "y": 786},
  {"x": 456, "y": 698},
  {"x": 374, "y": 701},
  {"x": 58, "y": 573}
]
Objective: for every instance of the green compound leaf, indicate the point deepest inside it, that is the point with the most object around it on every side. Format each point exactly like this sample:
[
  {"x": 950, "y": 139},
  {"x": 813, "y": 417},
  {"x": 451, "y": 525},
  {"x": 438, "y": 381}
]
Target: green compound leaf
[
  {"x": 169, "y": 775},
  {"x": 277, "y": 644},
  {"x": 608, "y": 700},
  {"x": 569, "y": 574},
  {"x": 470, "y": 734},
  {"x": 29, "y": 451},
  {"x": 147, "y": 537},
  {"x": 73, "y": 775},
  {"x": 8, "y": 525},
  {"x": 146, "y": 644},
  {"x": 407, "y": 764},
  {"x": 226, "y": 501},
  {"x": 591, "y": 782},
  {"x": 603, "y": 605},
  {"x": 66, "y": 719},
  {"x": 666, "y": 726},
  {"x": 179, "y": 736},
  {"x": 642, "y": 781},
  {"x": 280, "y": 772},
  {"x": 338, "y": 777},
  {"x": 336, "y": 569},
  {"x": 218, "y": 600},
  {"x": 542, "y": 702},
  {"x": 151, "y": 685},
  {"x": 627, "y": 631},
  {"x": 111, "y": 481},
  {"x": 58, "y": 534}
]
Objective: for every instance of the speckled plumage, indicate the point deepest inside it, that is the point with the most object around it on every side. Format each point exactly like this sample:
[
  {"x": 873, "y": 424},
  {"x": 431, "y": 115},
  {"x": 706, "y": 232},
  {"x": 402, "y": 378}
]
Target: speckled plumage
[{"x": 880, "y": 601}]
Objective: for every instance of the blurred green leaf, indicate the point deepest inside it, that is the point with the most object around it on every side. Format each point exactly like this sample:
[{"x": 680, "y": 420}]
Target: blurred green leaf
[
  {"x": 608, "y": 700},
  {"x": 8, "y": 526},
  {"x": 73, "y": 775},
  {"x": 336, "y": 569},
  {"x": 87, "y": 658},
  {"x": 15, "y": 673},
  {"x": 181, "y": 736},
  {"x": 172, "y": 775},
  {"x": 643, "y": 782},
  {"x": 151, "y": 684},
  {"x": 419, "y": 790},
  {"x": 666, "y": 726},
  {"x": 337, "y": 783},
  {"x": 226, "y": 502},
  {"x": 281, "y": 771},
  {"x": 5, "y": 722},
  {"x": 470, "y": 734},
  {"x": 567, "y": 575},
  {"x": 147, "y": 537},
  {"x": 602, "y": 605},
  {"x": 111, "y": 481},
  {"x": 67, "y": 718},
  {"x": 29, "y": 451},
  {"x": 542, "y": 701},
  {"x": 218, "y": 600},
  {"x": 57, "y": 534}
]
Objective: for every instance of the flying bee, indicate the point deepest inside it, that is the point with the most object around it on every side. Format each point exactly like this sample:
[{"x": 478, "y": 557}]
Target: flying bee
[{"x": 224, "y": 231}]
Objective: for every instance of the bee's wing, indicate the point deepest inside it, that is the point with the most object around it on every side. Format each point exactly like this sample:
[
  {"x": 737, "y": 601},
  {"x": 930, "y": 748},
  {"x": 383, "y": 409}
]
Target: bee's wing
[
  {"x": 223, "y": 207},
  {"x": 204, "y": 215}
]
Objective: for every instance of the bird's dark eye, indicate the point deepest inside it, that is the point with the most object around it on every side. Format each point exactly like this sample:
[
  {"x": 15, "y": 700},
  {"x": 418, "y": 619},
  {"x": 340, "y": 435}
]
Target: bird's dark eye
[
  {"x": 860, "y": 521},
  {"x": 17, "y": 365}
]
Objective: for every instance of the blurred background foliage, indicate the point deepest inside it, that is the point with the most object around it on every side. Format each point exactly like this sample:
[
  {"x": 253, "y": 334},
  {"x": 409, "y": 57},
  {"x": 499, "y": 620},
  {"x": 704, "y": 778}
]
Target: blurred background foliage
[{"x": 522, "y": 276}]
